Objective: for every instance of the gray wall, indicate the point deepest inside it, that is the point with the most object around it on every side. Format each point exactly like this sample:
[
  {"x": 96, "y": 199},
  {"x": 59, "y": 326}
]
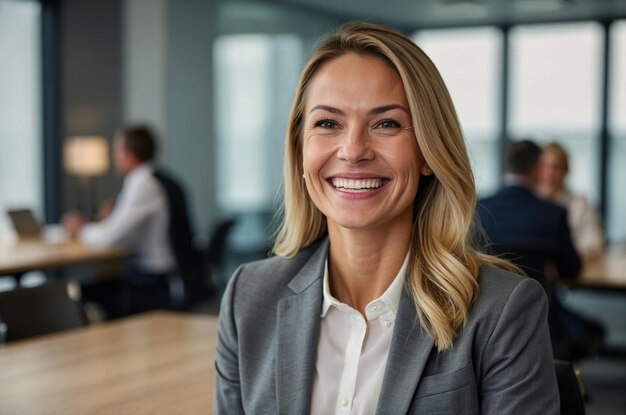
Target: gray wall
[
  {"x": 167, "y": 83},
  {"x": 91, "y": 81},
  {"x": 189, "y": 103}
]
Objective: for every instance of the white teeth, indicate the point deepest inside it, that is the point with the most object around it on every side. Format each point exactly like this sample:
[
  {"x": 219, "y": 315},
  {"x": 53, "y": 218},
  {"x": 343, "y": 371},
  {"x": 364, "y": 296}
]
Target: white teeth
[{"x": 356, "y": 185}]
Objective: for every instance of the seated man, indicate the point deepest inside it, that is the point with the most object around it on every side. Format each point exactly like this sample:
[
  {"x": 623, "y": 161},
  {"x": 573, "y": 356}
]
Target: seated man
[
  {"x": 534, "y": 233},
  {"x": 515, "y": 215},
  {"x": 140, "y": 220}
]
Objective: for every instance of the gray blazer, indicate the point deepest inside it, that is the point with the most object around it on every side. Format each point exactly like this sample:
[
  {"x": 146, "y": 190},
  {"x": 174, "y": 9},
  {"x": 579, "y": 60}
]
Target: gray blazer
[{"x": 500, "y": 363}]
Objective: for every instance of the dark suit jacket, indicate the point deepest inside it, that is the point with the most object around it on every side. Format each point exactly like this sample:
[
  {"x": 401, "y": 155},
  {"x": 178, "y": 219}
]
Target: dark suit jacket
[
  {"x": 515, "y": 217},
  {"x": 500, "y": 363}
]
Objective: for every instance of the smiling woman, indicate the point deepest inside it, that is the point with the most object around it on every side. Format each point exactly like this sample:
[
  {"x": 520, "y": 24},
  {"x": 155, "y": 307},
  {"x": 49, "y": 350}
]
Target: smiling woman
[
  {"x": 377, "y": 300},
  {"x": 359, "y": 157}
]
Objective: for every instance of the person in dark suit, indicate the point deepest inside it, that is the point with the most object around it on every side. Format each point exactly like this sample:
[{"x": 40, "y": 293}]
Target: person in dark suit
[
  {"x": 534, "y": 233},
  {"x": 377, "y": 301},
  {"x": 515, "y": 216}
]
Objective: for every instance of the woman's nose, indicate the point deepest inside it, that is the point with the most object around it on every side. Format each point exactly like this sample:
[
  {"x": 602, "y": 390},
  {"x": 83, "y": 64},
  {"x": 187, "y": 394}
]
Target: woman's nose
[{"x": 355, "y": 147}]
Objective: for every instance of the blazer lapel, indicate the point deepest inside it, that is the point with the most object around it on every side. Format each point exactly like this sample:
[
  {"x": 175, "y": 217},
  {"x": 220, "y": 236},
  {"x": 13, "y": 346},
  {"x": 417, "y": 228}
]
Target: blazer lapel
[
  {"x": 408, "y": 354},
  {"x": 297, "y": 335}
]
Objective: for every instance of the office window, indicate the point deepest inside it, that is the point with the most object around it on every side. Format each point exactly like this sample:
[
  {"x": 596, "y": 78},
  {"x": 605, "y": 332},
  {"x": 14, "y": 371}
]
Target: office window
[
  {"x": 555, "y": 86},
  {"x": 469, "y": 62},
  {"x": 20, "y": 101},
  {"x": 616, "y": 219},
  {"x": 255, "y": 77}
]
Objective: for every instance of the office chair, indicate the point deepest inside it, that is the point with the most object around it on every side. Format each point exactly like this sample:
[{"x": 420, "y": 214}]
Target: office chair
[
  {"x": 188, "y": 284},
  {"x": 570, "y": 388},
  {"x": 216, "y": 251},
  {"x": 47, "y": 308}
]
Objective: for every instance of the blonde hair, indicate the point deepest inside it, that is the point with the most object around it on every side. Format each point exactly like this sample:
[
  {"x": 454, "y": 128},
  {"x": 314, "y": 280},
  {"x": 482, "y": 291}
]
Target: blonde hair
[{"x": 444, "y": 266}]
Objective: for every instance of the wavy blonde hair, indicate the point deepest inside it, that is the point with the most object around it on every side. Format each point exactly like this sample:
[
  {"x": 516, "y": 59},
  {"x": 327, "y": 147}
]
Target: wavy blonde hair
[{"x": 444, "y": 266}]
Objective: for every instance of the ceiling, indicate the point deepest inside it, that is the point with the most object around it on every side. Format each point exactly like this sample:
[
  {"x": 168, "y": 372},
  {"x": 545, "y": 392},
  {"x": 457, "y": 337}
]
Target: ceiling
[{"x": 412, "y": 14}]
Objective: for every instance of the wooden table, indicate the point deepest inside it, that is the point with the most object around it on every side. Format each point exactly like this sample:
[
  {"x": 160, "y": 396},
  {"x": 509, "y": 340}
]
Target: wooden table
[
  {"x": 155, "y": 363},
  {"x": 608, "y": 272},
  {"x": 18, "y": 258}
]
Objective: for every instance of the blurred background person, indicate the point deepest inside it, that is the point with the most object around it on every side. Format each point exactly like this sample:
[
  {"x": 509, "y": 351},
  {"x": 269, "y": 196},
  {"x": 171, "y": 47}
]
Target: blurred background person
[
  {"x": 515, "y": 217},
  {"x": 150, "y": 217},
  {"x": 139, "y": 218},
  {"x": 583, "y": 219}
]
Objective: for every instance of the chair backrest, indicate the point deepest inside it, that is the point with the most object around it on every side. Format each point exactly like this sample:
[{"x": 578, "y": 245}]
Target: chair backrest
[
  {"x": 218, "y": 237},
  {"x": 32, "y": 311},
  {"x": 216, "y": 251},
  {"x": 570, "y": 388},
  {"x": 180, "y": 232},
  {"x": 188, "y": 257}
]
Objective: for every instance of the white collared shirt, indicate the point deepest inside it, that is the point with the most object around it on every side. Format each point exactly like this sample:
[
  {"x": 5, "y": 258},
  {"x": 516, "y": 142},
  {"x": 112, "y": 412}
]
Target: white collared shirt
[
  {"x": 352, "y": 351},
  {"x": 139, "y": 220}
]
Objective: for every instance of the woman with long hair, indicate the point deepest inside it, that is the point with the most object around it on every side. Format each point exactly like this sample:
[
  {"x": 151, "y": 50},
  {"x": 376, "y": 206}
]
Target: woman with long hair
[{"x": 377, "y": 300}]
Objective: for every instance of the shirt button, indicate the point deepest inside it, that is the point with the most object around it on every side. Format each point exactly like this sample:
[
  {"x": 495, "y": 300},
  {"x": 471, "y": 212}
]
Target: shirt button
[
  {"x": 387, "y": 323},
  {"x": 344, "y": 402},
  {"x": 375, "y": 308}
]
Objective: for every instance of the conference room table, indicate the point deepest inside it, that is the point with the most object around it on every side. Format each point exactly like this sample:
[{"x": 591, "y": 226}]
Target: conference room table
[
  {"x": 17, "y": 258},
  {"x": 153, "y": 363},
  {"x": 605, "y": 273}
]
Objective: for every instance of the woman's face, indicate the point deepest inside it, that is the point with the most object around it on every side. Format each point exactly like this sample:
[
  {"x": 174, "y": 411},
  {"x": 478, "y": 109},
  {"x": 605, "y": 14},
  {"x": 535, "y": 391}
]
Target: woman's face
[
  {"x": 552, "y": 170},
  {"x": 360, "y": 156}
]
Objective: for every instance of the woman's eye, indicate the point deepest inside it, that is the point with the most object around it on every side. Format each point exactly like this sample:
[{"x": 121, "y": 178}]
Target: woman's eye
[
  {"x": 388, "y": 124},
  {"x": 325, "y": 124}
]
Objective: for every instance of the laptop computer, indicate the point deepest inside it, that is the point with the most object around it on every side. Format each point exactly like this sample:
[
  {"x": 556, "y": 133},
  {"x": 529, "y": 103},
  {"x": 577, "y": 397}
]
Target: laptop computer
[{"x": 24, "y": 223}]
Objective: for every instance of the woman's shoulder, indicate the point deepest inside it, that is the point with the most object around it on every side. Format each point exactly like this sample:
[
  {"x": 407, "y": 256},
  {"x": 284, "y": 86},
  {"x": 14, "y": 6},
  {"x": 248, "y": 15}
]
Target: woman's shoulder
[
  {"x": 498, "y": 287},
  {"x": 498, "y": 278},
  {"x": 271, "y": 275},
  {"x": 575, "y": 201},
  {"x": 504, "y": 301}
]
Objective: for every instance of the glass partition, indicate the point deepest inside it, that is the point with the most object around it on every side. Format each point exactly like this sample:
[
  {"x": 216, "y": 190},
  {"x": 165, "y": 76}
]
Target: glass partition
[
  {"x": 255, "y": 76},
  {"x": 616, "y": 203},
  {"x": 20, "y": 110},
  {"x": 555, "y": 94},
  {"x": 469, "y": 62}
]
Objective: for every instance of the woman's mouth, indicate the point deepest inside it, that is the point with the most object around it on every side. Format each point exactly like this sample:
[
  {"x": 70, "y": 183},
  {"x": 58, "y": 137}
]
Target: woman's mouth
[{"x": 357, "y": 185}]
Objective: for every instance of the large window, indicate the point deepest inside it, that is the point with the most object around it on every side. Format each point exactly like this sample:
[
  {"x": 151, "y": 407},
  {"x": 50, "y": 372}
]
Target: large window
[
  {"x": 20, "y": 102},
  {"x": 555, "y": 94},
  {"x": 616, "y": 219},
  {"x": 468, "y": 60},
  {"x": 255, "y": 77}
]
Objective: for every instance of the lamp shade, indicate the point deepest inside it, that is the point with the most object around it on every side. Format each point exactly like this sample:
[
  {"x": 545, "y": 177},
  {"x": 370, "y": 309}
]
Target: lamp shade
[{"x": 86, "y": 156}]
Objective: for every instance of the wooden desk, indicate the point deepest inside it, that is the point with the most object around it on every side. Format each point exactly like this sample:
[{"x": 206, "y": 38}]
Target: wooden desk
[
  {"x": 21, "y": 257},
  {"x": 155, "y": 363},
  {"x": 608, "y": 272}
]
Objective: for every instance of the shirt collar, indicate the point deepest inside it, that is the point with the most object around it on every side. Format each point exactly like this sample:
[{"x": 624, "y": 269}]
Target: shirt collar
[
  {"x": 140, "y": 172},
  {"x": 387, "y": 303}
]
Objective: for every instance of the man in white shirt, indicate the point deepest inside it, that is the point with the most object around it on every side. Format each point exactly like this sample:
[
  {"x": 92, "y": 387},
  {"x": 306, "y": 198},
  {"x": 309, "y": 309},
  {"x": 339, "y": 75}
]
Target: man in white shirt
[{"x": 140, "y": 218}]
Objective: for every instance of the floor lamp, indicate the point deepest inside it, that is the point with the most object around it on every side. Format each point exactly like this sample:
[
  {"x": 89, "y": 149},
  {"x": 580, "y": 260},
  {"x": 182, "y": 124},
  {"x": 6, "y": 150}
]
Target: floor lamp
[{"x": 86, "y": 157}]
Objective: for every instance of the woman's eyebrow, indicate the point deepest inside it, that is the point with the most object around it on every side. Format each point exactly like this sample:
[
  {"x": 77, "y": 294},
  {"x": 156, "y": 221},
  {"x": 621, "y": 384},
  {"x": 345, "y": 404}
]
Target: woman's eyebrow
[
  {"x": 327, "y": 108},
  {"x": 385, "y": 108},
  {"x": 373, "y": 111}
]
